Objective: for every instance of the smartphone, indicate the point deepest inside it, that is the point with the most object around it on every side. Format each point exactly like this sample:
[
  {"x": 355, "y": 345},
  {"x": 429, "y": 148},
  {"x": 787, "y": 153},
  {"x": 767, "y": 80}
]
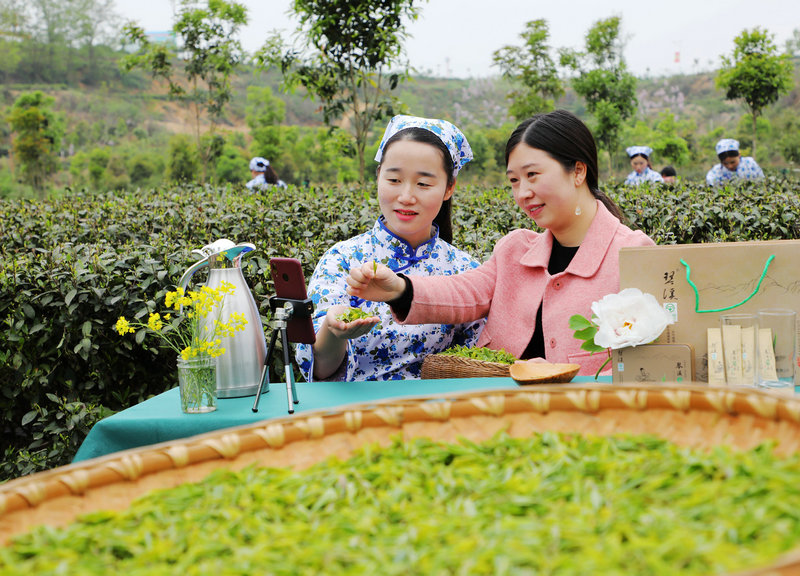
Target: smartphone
[{"x": 290, "y": 284}]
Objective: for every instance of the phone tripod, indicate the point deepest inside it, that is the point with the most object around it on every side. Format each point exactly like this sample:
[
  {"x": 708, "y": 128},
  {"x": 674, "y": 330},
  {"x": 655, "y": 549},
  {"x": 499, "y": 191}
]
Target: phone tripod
[{"x": 283, "y": 309}]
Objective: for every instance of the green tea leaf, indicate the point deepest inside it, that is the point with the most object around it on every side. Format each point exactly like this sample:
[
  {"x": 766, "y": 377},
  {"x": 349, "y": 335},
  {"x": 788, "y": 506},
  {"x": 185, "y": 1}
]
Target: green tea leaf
[
  {"x": 352, "y": 314},
  {"x": 483, "y": 354}
]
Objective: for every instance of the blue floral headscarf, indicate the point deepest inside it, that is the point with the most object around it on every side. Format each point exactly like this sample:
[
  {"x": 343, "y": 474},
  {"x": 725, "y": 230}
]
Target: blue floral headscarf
[
  {"x": 452, "y": 137},
  {"x": 726, "y": 145}
]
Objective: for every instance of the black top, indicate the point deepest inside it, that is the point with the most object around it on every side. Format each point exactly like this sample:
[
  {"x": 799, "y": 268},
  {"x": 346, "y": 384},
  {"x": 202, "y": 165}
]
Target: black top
[
  {"x": 560, "y": 258},
  {"x": 402, "y": 304}
]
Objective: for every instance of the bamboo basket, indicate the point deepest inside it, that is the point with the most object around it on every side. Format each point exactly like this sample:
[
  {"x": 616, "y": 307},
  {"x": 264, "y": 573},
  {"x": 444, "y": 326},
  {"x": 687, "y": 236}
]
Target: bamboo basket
[
  {"x": 690, "y": 415},
  {"x": 447, "y": 366}
]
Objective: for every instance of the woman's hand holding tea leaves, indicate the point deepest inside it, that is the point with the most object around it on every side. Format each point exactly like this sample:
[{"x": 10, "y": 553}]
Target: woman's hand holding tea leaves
[{"x": 348, "y": 323}]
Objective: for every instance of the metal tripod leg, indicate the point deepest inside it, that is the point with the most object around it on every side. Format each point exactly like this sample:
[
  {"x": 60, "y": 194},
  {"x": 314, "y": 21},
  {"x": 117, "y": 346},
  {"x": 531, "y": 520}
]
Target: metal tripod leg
[
  {"x": 265, "y": 370},
  {"x": 291, "y": 391}
]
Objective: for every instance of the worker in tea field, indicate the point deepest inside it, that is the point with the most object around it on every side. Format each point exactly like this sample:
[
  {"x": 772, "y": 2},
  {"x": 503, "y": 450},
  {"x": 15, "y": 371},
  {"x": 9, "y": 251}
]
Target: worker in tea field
[
  {"x": 669, "y": 174},
  {"x": 534, "y": 281},
  {"x": 263, "y": 174},
  {"x": 419, "y": 160},
  {"x": 732, "y": 165},
  {"x": 642, "y": 169}
]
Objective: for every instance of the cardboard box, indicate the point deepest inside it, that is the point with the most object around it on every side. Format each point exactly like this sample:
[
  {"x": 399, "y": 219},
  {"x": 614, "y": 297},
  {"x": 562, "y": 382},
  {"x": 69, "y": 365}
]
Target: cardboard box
[
  {"x": 653, "y": 363},
  {"x": 737, "y": 276}
]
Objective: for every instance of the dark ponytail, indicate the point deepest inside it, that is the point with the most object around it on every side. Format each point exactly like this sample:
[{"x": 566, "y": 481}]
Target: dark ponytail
[{"x": 270, "y": 177}]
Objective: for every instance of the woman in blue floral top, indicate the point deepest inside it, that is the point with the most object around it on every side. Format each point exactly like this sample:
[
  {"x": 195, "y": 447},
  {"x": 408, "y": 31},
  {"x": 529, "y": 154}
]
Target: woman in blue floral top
[
  {"x": 640, "y": 162},
  {"x": 419, "y": 160},
  {"x": 732, "y": 165}
]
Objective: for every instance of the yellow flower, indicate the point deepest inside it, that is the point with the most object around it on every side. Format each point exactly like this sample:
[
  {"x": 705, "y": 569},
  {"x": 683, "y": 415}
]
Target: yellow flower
[
  {"x": 196, "y": 329},
  {"x": 123, "y": 326},
  {"x": 169, "y": 299},
  {"x": 154, "y": 322}
]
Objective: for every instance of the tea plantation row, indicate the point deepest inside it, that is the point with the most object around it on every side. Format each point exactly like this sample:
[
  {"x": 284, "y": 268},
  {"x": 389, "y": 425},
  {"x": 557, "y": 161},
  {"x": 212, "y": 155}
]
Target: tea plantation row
[{"x": 70, "y": 267}]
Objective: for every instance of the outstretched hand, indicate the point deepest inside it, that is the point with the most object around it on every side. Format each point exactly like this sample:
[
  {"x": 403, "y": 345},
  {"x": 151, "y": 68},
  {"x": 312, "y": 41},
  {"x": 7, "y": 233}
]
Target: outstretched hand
[
  {"x": 348, "y": 330},
  {"x": 375, "y": 282}
]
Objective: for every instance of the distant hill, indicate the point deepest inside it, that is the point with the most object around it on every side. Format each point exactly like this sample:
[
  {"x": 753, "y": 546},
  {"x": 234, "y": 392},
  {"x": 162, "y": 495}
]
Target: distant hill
[{"x": 127, "y": 110}]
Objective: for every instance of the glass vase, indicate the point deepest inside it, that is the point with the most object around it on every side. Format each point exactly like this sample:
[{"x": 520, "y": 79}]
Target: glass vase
[{"x": 197, "y": 378}]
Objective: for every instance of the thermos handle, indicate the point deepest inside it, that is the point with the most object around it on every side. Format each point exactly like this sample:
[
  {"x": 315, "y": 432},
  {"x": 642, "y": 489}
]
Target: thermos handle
[
  {"x": 232, "y": 253},
  {"x": 190, "y": 272}
]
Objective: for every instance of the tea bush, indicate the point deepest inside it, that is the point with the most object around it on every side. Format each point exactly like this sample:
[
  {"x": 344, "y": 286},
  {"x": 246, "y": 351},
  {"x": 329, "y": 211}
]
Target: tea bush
[{"x": 69, "y": 267}]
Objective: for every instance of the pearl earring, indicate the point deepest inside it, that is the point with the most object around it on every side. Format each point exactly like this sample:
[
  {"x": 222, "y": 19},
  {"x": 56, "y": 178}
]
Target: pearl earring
[{"x": 578, "y": 210}]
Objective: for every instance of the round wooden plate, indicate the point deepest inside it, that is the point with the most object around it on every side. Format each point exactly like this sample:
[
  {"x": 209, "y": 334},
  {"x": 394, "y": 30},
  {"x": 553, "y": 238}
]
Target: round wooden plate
[{"x": 543, "y": 372}]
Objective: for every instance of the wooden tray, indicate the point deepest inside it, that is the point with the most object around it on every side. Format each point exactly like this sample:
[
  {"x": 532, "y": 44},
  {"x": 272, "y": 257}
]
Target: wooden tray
[{"x": 695, "y": 416}]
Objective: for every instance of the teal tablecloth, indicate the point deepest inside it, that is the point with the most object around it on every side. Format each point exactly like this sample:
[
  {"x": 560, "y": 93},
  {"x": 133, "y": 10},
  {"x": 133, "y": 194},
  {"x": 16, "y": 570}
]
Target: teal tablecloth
[{"x": 160, "y": 419}]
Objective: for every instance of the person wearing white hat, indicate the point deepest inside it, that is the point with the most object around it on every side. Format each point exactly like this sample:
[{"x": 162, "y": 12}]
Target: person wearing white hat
[
  {"x": 640, "y": 162},
  {"x": 732, "y": 165},
  {"x": 263, "y": 175},
  {"x": 418, "y": 162}
]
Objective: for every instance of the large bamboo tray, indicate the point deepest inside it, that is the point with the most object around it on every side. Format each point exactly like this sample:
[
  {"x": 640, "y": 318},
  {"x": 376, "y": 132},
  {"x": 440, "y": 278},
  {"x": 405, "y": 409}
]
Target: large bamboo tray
[{"x": 696, "y": 416}]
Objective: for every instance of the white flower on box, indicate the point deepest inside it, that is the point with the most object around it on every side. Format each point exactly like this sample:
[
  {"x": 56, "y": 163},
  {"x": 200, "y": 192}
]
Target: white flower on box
[{"x": 629, "y": 318}]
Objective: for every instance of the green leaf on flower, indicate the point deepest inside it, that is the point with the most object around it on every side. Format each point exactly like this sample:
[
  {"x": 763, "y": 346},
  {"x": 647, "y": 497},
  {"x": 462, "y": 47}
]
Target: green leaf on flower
[
  {"x": 586, "y": 333},
  {"x": 590, "y": 346},
  {"x": 578, "y": 322}
]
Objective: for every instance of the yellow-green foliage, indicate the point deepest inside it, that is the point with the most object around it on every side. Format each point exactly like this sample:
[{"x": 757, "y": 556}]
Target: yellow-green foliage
[{"x": 548, "y": 504}]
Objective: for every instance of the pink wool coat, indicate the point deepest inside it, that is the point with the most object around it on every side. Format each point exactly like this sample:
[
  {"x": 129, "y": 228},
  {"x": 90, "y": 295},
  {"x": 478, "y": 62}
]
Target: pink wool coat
[{"x": 512, "y": 284}]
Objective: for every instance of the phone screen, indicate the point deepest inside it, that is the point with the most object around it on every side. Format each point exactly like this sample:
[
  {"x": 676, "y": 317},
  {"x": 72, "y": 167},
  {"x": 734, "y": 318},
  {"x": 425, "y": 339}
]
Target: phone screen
[{"x": 290, "y": 283}]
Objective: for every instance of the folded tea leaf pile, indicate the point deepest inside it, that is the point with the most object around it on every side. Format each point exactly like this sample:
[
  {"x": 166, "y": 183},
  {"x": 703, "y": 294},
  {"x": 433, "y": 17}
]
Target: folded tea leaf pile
[{"x": 548, "y": 504}]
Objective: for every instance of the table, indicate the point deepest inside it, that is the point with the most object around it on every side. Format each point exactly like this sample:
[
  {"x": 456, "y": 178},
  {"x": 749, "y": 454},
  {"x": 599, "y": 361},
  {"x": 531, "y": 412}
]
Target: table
[{"x": 159, "y": 419}]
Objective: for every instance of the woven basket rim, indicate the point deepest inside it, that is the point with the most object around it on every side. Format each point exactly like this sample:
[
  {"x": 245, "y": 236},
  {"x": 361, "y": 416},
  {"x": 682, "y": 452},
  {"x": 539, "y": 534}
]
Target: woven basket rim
[
  {"x": 461, "y": 359},
  {"x": 680, "y": 394},
  {"x": 80, "y": 480}
]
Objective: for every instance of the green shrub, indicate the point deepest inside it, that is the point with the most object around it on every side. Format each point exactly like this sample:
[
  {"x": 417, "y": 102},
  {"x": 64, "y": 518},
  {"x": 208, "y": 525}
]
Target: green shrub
[
  {"x": 182, "y": 159},
  {"x": 68, "y": 270}
]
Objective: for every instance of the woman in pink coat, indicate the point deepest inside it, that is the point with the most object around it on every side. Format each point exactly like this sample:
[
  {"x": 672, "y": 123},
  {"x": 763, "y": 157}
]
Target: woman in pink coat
[{"x": 533, "y": 281}]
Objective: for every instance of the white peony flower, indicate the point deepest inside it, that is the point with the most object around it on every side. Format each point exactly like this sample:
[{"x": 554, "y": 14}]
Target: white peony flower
[{"x": 629, "y": 318}]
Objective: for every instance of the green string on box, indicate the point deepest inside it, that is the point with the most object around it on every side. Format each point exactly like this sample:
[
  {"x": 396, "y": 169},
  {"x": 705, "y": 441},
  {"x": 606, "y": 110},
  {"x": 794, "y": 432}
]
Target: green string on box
[{"x": 697, "y": 294}]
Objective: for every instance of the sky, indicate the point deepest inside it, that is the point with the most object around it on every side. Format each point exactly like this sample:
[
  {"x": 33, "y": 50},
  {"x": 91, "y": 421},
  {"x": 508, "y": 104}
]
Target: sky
[{"x": 456, "y": 38}]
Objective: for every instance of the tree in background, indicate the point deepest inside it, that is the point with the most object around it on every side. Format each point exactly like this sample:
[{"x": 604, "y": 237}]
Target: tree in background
[
  {"x": 12, "y": 23},
  {"x": 533, "y": 68},
  {"x": 210, "y": 54},
  {"x": 230, "y": 165},
  {"x": 36, "y": 137},
  {"x": 603, "y": 81},
  {"x": 55, "y": 40},
  {"x": 264, "y": 114},
  {"x": 94, "y": 22},
  {"x": 181, "y": 159},
  {"x": 793, "y": 43},
  {"x": 670, "y": 138},
  {"x": 351, "y": 60},
  {"x": 755, "y": 73},
  {"x": 669, "y": 144}
]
